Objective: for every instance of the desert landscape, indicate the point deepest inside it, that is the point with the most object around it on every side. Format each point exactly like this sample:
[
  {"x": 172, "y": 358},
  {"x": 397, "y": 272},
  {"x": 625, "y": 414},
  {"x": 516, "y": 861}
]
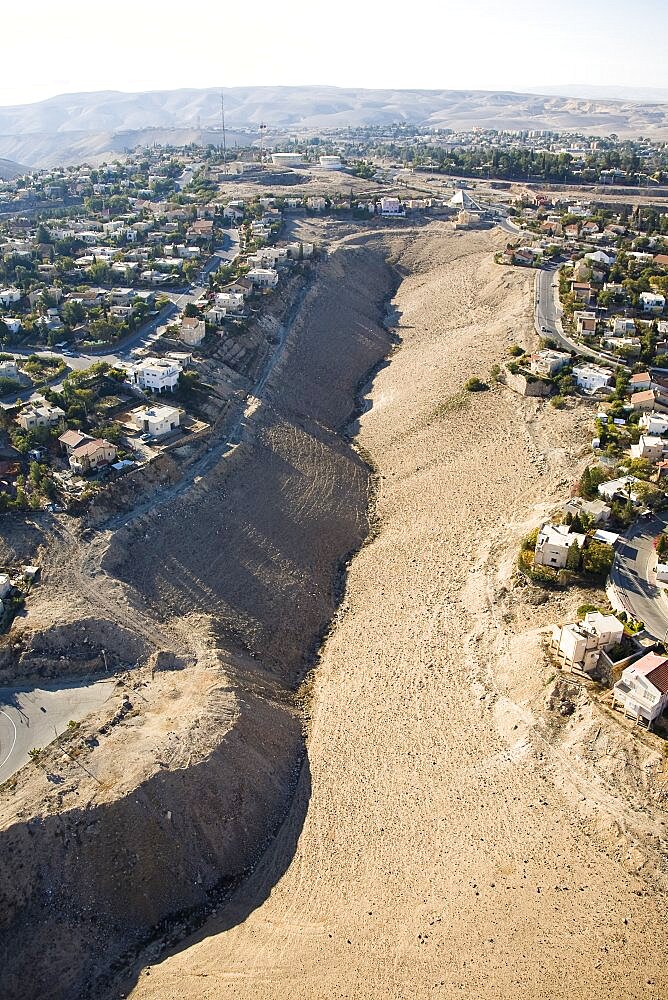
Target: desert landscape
[
  {"x": 337, "y": 762},
  {"x": 460, "y": 836}
]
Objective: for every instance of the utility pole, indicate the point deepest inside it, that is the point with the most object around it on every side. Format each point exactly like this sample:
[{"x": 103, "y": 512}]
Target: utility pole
[
  {"x": 222, "y": 119},
  {"x": 263, "y": 129}
]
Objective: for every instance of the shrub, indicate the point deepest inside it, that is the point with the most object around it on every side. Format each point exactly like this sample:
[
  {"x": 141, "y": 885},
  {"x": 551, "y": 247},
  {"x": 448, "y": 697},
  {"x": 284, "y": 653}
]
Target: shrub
[
  {"x": 475, "y": 385},
  {"x": 516, "y": 351},
  {"x": 558, "y": 402}
]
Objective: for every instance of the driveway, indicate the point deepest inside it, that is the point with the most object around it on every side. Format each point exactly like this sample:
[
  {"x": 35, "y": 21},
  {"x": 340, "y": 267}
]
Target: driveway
[{"x": 634, "y": 578}]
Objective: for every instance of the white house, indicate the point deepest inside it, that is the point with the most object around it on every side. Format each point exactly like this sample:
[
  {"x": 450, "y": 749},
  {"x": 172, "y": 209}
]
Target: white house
[
  {"x": 622, "y": 327},
  {"x": 553, "y": 543},
  {"x": 232, "y": 302},
  {"x": 316, "y": 204},
  {"x": 40, "y": 415},
  {"x": 649, "y": 447},
  {"x": 156, "y": 420},
  {"x": 5, "y": 585},
  {"x": 392, "y": 207},
  {"x": 578, "y": 645},
  {"x": 9, "y": 296},
  {"x": 598, "y": 510},
  {"x": 591, "y": 377},
  {"x": 13, "y": 323},
  {"x": 642, "y": 690},
  {"x": 263, "y": 277},
  {"x": 192, "y": 331},
  {"x": 159, "y": 374},
  {"x": 651, "y": 302},
  {"x": 548, "y": 362},
  {"x": 215, "y": 315},
  {"x": 622, "y": 488},
  {"x": 654, "y": 423},
  {"x": 9, "y": 369}
]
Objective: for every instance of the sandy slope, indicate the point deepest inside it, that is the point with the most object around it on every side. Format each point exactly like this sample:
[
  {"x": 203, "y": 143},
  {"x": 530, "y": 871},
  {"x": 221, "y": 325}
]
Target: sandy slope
[{"x": 451, "y": 847}]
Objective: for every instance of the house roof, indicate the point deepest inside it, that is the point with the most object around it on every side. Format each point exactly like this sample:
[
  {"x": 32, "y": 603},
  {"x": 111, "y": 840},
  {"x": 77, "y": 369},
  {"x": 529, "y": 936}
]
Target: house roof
[
  {"x": 72, "y": 439},
  {"x": 90, "y": 447},
  {"x": 655, "y": 668},
  {"x": 641, "y": 377},
  {"x": 642, "y": 397}
]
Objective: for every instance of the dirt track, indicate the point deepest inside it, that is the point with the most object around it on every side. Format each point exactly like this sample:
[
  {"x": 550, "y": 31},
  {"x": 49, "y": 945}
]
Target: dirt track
[{"x": 460, "y": 838}]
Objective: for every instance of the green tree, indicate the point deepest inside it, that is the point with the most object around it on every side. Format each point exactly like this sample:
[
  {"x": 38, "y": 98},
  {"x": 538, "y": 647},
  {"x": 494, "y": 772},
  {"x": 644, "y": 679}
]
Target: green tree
[{"x": 597, "y": 559}]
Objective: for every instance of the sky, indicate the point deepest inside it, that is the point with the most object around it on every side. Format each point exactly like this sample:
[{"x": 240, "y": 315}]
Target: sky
[{"x": 52, "y": 48}]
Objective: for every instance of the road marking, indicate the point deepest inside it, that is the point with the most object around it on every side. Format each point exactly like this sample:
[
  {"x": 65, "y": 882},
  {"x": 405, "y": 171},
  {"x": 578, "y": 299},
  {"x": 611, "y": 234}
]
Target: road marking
[{"x": 11, "y": 749}]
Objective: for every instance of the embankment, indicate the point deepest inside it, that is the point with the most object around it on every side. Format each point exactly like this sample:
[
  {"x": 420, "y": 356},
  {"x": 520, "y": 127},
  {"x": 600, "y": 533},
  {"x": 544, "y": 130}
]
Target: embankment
[
  {"x": 238, "y": 576},
  {"x": 462, "y": 839}
]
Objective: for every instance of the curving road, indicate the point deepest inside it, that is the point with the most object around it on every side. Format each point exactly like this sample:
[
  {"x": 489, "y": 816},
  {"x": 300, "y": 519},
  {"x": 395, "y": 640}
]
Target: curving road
[
  {"x": 633, "y": 575},
  {"x": 31, "y": 717}
]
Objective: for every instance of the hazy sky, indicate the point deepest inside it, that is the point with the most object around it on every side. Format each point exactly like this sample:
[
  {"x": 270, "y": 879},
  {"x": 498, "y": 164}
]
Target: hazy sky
[{"x": 52, "y": 48}]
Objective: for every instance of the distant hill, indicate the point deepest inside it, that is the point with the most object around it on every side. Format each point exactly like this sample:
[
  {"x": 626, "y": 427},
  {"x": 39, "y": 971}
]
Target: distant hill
[
  {"x": 75, "y": 127},
  {"x": 9, "y": 170}
]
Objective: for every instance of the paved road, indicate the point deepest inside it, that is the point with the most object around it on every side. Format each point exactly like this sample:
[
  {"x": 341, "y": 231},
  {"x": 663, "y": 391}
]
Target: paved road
[
  {"x": 548, "y": 317},
  {"x": 31, "y": 717},
  {"x": 142, "y": 337},
  {"x": 634, "y": 577}
]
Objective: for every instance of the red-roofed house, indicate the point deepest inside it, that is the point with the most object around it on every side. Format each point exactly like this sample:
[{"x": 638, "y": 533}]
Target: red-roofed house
[{"x": 642, "y": 690}]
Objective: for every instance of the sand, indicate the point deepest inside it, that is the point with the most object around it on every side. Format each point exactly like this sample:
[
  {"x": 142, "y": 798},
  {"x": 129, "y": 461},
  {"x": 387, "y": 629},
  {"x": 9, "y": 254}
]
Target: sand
[{"x": 456, "y": 841}]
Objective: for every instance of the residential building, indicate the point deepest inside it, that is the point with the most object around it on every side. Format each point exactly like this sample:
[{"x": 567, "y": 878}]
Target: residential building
[
  {"x": 10, "y": 296},
  {"x": 651, "y": 302},
  {"x": 71, "y": 440},
  {"x": 263, "y": 277},
  {"x": 648, "y": 447},
  {"x": 40, "y": 415},
  {"x": 642, "y": 690},
  {"x": 585, "y": 322},
  {"x": 158, "y": 374},
  {"x": 578, "y": 645},
  {"x": 91, "y": 455},
  {"x": 547, "y": 362},
  {"x": 591, "y": 377},
  {"x": 582, "y": 291},
  {"x": 553, "y": 543},
  {"x": 193, "y": 330},
  {"x": 5, "y": 585},
  {"x": 597, "y": 510},
  {"x": 391, "y": 206},
  {"x": 649, "y": 399},
  {"x": 654, "y": 423},
  {"x": 9, "y": 369},
  {"x": 316, "y": 204},
  {"x": 156, "y": 420},
  {"x": 630, "y": 344},
  {"x": 230, "y": 302},
  {"x": 620, "y": 489},
  {"x": 622, "y": 327},
  {"x": 640, "y": 381}
]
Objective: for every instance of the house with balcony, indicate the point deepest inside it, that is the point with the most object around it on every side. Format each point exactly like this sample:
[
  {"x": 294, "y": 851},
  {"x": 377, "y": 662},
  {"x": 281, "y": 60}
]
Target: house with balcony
[
  {"x": 91, "y": 454},
  {"x": 158, "y": 374},
  {"x": 591, "y": 377},
  {"x": 578, "y": 645},
  {"x": 648, "y": 447},
  {"x": 39, "y": 415},
  {"x": 547, "y": 362},
  {"x": 642, "y": 690},
  {"x": 553, "y": 544},
  {"x": 263, "y": 277}
]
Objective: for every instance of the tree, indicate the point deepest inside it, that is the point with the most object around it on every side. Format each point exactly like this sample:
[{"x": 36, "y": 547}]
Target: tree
[
  {"x": 191, "y": 310},
  {"x": 597, "y": 559},
  {"x": 573, "y": 558}
]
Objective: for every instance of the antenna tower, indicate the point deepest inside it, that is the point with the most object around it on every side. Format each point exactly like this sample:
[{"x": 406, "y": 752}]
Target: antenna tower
[
  {"x": 263, "y": 129},
  {"x": 222, "y": 119}
]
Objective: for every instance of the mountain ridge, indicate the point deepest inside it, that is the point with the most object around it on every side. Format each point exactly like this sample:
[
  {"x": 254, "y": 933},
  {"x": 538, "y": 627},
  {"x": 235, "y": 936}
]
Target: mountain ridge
[{"x": 38, "y": 133}]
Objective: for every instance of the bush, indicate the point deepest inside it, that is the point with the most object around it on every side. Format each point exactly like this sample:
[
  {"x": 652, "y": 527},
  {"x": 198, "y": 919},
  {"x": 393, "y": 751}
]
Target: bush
[
  {"x": 558, "y": 402},
  {"x": 475, "y": 385},
  {"x": 516, "y": 351}
]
